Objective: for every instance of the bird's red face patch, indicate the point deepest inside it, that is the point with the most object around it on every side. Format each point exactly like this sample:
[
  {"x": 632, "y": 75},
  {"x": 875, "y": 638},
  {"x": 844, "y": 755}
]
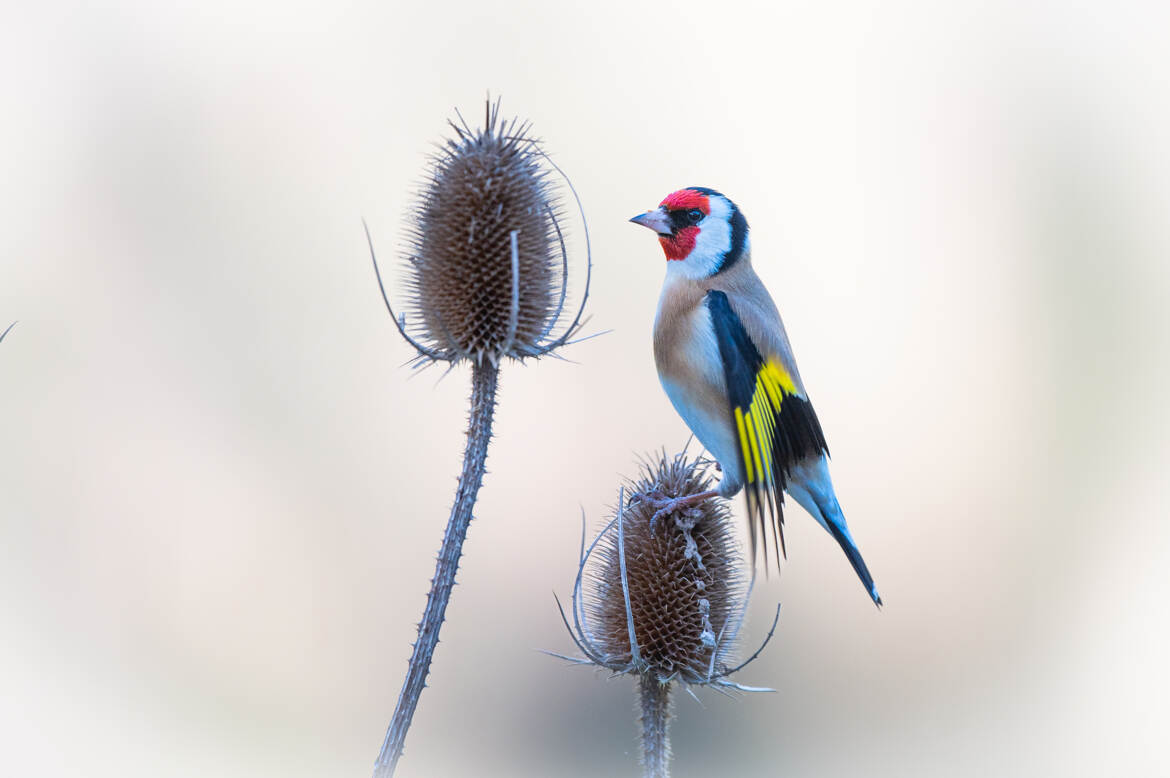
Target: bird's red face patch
[
  {"x": 679, "y": 245},
  {"x": 686, "y": 199}
]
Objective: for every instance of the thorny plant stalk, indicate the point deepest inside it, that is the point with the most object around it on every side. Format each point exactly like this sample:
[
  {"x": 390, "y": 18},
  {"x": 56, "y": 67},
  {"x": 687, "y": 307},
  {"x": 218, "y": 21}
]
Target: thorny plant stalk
[
  {"x": 654, "y": 697},
  {"x": 483, "y": 268},
  {"x": 479, "y": 432}
]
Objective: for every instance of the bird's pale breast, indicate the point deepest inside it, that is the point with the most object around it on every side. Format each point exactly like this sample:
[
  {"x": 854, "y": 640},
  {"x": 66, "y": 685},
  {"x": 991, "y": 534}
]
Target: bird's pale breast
[{"x": 686, "y": 354}]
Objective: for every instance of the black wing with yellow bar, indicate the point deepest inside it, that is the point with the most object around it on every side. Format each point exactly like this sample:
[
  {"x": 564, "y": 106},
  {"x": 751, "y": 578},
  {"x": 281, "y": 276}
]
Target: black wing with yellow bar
[{"x": 776, "y": 427}]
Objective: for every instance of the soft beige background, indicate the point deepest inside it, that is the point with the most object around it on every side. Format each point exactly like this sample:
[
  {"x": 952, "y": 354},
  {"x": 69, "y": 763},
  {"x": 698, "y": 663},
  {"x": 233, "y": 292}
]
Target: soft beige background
[{"x": 220, "y": 494}]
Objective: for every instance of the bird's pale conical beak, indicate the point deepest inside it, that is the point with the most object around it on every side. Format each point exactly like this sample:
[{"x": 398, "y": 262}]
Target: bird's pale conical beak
[{"x": 656, "y": 220}]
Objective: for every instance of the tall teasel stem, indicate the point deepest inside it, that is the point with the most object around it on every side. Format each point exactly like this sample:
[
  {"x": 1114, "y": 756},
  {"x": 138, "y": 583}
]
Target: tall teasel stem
[
  {"x": 484, "y": 379},
  {"x": 484, "y": 251},
  {"x": 654, "y": 697}
]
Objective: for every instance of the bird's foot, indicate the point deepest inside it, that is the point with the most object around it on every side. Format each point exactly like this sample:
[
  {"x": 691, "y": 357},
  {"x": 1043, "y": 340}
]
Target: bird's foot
[{"x": 664, "y": 505}]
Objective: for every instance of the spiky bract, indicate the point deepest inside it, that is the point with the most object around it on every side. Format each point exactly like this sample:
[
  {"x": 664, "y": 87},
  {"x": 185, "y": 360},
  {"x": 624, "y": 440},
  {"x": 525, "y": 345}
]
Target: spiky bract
[
  {"x": 684, "y": 577},
  {"x": 478, "y": 293}
]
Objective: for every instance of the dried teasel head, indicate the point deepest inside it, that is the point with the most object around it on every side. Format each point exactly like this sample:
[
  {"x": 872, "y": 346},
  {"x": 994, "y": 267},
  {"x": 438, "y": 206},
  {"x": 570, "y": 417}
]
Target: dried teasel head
[
  {"x": 487, "y": 268},
  {"x": 664, "y": 592}
]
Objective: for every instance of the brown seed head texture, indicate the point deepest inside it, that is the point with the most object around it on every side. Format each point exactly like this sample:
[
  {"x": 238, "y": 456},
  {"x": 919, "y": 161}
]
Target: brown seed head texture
[
  {"x": 485, "y": 186},
  {"x": 685, "y": 578}
]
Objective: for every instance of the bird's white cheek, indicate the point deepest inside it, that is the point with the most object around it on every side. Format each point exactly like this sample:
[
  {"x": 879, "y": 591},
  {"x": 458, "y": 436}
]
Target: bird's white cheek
[
  {"x": 701, "y": 263},
  {"x": 711, "y": 246}
]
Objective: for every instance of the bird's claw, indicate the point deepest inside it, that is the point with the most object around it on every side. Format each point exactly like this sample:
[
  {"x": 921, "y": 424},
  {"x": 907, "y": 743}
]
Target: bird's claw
[{"x": 664, "y": 506}]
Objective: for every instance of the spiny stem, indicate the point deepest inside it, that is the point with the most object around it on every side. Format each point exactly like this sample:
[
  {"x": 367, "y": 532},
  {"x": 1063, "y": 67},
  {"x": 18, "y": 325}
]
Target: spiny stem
[
  {"x": 483, "y": 401},
  {"x": 655, "y": 701}
]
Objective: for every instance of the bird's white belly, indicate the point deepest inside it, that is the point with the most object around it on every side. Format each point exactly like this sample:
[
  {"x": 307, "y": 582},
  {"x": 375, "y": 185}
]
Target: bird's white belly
[
  {"x": 697, "y": 388},
  {"x": 712, "y": 427}
]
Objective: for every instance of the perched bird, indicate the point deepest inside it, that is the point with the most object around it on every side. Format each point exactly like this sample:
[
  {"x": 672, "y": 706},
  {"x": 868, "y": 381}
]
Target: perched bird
[{"x": 725, "y": 363}]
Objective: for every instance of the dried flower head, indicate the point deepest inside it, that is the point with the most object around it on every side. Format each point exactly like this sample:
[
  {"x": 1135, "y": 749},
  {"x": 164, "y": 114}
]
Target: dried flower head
[
  {"x": 482, "y": 269},
  {"x": 664, "y": 592},
  {"x": 487, "y": 268}
]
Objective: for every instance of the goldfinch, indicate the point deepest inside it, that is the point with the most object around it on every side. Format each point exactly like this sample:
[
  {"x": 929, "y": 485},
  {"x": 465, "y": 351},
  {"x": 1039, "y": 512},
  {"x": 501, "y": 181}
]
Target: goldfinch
[{"x": 725, "y": 363}]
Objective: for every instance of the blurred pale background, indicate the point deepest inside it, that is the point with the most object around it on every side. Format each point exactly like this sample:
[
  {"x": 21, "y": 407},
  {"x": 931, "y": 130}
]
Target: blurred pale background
[{"x": 221, "y": 494}]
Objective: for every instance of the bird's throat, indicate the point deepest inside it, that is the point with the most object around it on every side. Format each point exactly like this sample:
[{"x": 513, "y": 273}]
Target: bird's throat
[{"x": 679, "y": 245}]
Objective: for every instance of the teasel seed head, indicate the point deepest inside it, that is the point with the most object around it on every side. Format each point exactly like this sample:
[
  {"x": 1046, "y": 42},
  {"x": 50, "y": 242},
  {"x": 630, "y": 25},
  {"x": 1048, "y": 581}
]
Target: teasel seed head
[
  {"x": 664, "y": 592},
  {"x": 682, "y": 573},
  {"x": 486, "y": 265}
]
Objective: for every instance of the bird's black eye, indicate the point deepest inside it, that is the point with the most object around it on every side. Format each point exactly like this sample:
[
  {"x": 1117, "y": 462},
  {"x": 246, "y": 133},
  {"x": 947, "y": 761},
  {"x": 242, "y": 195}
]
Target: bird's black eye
[{"x": 694, "y": 216}]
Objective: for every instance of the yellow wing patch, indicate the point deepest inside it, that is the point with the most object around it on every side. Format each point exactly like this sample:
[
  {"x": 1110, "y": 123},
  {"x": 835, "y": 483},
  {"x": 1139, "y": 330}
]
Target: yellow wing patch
[
  {"x": 756, "y": 424},
  {"x": 774, "y": 422}
]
